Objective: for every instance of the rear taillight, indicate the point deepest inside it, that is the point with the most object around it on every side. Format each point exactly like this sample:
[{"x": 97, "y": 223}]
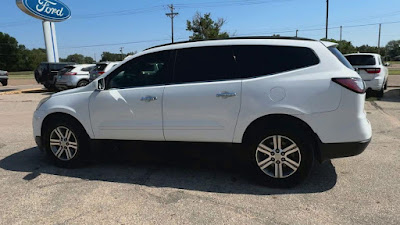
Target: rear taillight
[
  {"x": 373, "y": 70},
  {"x": 70, "y": 73},
  {"x": 100, "y": 73},
  {"x": 353, "y": 84}
]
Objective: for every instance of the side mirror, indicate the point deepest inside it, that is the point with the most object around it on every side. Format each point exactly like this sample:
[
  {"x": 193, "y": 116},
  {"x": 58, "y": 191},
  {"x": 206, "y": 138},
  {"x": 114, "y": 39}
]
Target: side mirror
[
  {"x": 386, "y": 64},
  {"x": 101, "y": 84}
]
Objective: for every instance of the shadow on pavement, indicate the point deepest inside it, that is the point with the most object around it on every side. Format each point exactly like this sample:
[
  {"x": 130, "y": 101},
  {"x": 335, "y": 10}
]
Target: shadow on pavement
[
  {"x": 392, "y": 95},
  {"x": 201, "y": 167},
  {"x": 7, "y": 89}
]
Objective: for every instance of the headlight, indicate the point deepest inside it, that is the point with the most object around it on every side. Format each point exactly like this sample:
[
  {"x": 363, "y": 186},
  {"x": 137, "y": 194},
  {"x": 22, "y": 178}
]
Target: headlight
[{"x": 42, "y": 101}]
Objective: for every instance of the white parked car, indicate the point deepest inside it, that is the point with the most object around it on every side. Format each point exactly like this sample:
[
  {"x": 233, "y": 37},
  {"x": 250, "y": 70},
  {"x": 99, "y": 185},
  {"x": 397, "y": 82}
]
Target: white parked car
[
  {"x": 372, "y": 70},
  {"x": 286, "y": 101},
  {"x": 73, "y": 76},
  {"x": 3, "y": 77},
  {"x": 101, "y": 68}
]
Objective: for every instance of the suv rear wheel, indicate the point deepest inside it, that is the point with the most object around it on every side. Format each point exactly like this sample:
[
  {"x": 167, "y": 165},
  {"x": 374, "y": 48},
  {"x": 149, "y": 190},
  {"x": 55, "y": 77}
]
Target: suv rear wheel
[
  {"x": 280, "y": 156},
  {"x": 82, "y": 83},
  {"x": 4, "y": 82},
  {"x": 65, "y": 142}
]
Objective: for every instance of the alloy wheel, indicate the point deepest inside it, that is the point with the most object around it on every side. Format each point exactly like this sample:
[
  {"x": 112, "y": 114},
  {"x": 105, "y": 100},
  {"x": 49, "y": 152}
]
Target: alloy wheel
[
  {"x": 63, "y": 143},
  {"x": 278, "y": 156}
]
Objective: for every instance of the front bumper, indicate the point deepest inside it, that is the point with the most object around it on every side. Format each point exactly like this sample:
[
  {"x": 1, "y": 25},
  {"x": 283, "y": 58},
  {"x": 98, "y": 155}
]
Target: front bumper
[
  {"x": 340, "y": 150},
  {"x": 39, "y": 143},
  {"x": 3, "y": 77}
]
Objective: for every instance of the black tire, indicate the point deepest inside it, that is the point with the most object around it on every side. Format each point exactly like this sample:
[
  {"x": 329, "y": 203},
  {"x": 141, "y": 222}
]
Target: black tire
[
  {"x": 82, "y": 83},
  {"x": 50, "y": 87},
  {"x": 4, "y": 82},
  {"x": 385, "y": 86},
  {"x": 79, "y": 135},
  {"x": 289, "y": 132},
  {"x": 380, "y": 93}
]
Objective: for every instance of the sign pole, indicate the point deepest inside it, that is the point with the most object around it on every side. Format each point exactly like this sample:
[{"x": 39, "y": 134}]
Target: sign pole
[{"x": 50, "y": 41}]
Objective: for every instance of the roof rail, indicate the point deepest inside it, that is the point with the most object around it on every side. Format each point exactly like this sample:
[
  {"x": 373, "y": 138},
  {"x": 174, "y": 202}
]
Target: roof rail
[{"x": 235, "y": 38}]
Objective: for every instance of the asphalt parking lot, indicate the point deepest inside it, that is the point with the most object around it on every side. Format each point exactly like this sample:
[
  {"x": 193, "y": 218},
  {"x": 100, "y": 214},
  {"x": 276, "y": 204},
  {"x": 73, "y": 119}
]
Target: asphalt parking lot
[{"x": 193, "y": 184}]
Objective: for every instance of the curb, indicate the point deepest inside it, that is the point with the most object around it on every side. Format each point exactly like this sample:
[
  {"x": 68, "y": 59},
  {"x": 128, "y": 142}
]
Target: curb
[{"x": 20, "y": 91}]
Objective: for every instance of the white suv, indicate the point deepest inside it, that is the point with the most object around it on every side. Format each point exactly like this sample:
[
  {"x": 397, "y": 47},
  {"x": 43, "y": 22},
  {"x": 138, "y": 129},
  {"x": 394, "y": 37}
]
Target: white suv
[
  {"x": 287, "y": 101},
  {"x": 372, "y": 70}
]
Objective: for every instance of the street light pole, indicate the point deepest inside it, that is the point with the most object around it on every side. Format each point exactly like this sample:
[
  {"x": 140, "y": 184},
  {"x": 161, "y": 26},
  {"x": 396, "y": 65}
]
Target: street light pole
[
  {"x": 327, "y": 16},
  {"x": 379, "y": 39}
]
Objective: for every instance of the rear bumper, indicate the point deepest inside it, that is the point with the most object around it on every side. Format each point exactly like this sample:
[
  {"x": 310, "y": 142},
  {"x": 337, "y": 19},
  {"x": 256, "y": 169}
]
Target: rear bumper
[
  {"x": 3, "y": 77},
  {"x": 374, "y": 84},
  {"x": 340, "y": 150}
]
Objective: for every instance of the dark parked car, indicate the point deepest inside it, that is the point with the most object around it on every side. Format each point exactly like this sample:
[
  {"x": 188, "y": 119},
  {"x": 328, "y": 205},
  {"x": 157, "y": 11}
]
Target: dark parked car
[
  {"x": 4, "y": 77},
  {"x": 46, "y": 72}
]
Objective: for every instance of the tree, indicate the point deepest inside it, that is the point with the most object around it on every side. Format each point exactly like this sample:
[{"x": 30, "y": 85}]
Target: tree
[
  {"x": 78, "y": 58},
  {"x": 393, "y": 50},
  {"x": 345, "y": 47},
  {"x": 108, "y": 56},
  {"x": 8, "y": 52},
  {"x": 203, "y": 27}
]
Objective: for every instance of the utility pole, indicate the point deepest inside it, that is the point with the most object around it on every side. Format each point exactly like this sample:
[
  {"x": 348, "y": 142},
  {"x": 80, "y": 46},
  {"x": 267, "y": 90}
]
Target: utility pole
[
  {"x": 121, "y": 50},
  {"x": 171, "y": 15},
  {"x": 297, "y": 31},
  {"x": 327, "y": 16},
  {"x": 379, "y": 39},
  {"x": 341, "y": 27}
]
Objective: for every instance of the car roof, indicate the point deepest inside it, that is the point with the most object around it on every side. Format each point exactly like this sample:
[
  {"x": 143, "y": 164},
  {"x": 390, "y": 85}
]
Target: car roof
[
  {"x": 234, "y": 38},
  {"x": 108, "y": 62},
  {"x": 373, "y": 54},
  {"x": 257, "y": 40}
]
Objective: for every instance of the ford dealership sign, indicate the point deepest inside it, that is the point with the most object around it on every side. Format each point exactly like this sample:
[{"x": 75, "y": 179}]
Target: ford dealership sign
[{"x": 48, "y": 10}]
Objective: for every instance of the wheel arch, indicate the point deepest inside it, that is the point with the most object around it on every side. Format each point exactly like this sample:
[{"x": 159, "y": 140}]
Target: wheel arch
[
  {"x": 285, "y": 118},
  {"x": 56, "y": 115},
  {"x": 83, "y": 79}
]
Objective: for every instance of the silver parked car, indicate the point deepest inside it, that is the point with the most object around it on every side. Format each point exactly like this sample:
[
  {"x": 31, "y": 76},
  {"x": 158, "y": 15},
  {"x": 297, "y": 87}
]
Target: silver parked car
[
  {"x": 73, "y": 76},
  {"x": 4, "y": 77}
]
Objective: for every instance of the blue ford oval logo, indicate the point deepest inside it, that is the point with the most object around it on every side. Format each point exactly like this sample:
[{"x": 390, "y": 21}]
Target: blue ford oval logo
[{"x": 49, "y": 10}]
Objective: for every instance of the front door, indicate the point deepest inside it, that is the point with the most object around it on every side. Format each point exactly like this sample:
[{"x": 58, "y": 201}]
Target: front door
[{"x": 131, "y": 106}]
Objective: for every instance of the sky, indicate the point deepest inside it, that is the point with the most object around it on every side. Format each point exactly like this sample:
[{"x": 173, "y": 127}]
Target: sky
[{"x": 98, "y": 25}]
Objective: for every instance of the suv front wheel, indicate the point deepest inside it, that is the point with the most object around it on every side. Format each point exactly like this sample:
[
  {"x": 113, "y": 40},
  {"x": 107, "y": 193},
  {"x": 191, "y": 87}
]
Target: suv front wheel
[
  {"x": 280, "y": 156},
  {"x": 65, "y": 142}
]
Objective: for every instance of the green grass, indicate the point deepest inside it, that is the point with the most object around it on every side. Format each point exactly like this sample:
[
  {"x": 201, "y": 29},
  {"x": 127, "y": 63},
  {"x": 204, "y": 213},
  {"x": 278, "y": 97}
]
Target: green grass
[
  {"x": 394, "y": 62},
  {"x": 394, "y": 71},
  {"x": 21, "y": 75}
]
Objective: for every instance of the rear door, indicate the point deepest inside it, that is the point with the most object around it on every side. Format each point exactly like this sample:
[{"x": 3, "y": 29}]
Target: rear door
[
  {"x": 365, "y": 64},
  {"x": 204, "y": 101}
]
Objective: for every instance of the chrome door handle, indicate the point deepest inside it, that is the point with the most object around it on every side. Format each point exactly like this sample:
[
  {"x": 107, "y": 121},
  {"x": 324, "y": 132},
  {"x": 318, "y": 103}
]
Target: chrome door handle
[
  {"x": 148, "y": 98},
  {"x": 226, "y": 94}
]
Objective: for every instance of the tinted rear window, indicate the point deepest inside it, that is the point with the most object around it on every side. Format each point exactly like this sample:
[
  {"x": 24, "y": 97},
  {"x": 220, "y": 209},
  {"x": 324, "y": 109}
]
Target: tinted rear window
[
  {"x": 204, "y": 64},
  {"x": 66, "y": 69},
  {"x": 87, "y": 69},
  {"x": 100, "y": 67},
  {"x": 340, "y": 56},
  {"x": 361, "y": 60},
  {"x": 264, "y": 60}
]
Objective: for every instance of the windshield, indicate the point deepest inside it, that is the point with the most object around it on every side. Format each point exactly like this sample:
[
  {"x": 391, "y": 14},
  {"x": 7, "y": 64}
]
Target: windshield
[
  {"x": 361, "y": 60},
  {"x": 340, "y": 56}
]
